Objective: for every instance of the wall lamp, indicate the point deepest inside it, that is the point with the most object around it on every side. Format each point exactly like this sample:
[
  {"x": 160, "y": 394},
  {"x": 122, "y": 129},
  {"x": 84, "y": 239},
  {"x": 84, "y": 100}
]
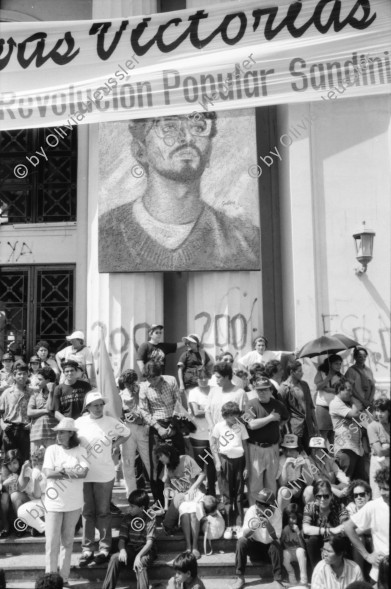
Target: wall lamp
[{"x": 363, "y": 240}]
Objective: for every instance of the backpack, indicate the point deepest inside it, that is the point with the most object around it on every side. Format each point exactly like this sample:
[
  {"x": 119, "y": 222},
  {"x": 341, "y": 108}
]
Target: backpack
[{"x": 213, "y": 527}]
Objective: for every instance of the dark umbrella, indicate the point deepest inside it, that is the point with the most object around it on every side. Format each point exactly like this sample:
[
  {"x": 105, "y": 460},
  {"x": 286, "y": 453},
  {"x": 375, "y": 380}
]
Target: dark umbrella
[{"x": 326, "y": 344}]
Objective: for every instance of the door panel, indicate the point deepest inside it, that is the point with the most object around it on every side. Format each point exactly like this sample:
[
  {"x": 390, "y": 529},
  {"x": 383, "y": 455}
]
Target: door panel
[{"x": 36, "y": 302}]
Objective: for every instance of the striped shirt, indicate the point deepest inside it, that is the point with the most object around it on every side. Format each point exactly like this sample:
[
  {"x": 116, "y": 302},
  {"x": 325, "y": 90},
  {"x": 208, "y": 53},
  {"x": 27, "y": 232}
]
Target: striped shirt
[
  {"x": 157, "y": 404},
  {"x": 136, "y": 530}
]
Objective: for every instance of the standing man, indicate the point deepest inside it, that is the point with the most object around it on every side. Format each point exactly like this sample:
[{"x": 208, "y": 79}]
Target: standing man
[
  {"x": 79, "y": 353},
  {"x": 171, "y": 228},
  {"x": 264, "y": 417},
  {"x": 296, "y": 396},
  {"x": 348, "y": 446},
  {"x": 262, "y": 529},
  {"x": 154, "y": 349},
  {"x": 68, "y": 399},
  {"x": 13, "y": 409},
  {"x": 373, "y": 516},
  {"x": 158, "y": 397}
]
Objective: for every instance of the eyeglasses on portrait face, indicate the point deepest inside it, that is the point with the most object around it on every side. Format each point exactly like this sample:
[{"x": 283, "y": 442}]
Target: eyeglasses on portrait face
[
  {"x": 171, "y": 126},
  {"x": 355, "y": 495},
  {"x": 323, "y": 496}
]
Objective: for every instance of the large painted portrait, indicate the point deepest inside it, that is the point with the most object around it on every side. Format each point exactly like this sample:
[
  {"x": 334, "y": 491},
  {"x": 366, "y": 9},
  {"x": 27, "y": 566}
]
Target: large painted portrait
[{"x": 175, "y": 194}]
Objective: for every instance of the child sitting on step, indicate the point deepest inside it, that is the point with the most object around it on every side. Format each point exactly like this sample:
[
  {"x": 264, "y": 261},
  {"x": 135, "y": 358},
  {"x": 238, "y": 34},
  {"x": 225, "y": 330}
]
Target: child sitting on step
[
  {"x": 33, "y": 482},
  {"x": 136, "y": 542},
  {"x": 293, "y": 545},
  {"x": 186, "y": 573},
  {"x": 12, "y": 495}
]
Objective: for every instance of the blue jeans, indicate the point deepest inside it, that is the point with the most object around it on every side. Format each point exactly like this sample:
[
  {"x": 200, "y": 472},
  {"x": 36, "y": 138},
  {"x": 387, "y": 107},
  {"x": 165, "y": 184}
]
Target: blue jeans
[{"x": 96, "y": 514}]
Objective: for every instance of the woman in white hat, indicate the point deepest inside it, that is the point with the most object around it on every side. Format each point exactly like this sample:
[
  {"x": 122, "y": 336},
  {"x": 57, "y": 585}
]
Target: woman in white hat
[
  {"x": 65, "y": 466},
  {"x": 100, "y": 434},
  {"x": 78, "y": 352}
]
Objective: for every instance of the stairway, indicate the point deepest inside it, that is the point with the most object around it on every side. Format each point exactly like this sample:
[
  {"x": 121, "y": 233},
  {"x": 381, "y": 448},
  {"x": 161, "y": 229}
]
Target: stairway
[{"x": 23, "y": 560}]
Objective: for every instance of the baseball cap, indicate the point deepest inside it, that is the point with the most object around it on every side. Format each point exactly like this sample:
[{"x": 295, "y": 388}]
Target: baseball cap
[
  {"x": 262, "y": 383},
  {"x": 192, "y": 338},
  {"x": 76, "y": 335},
  {"x": 93, "y": 396},
  {"x": 7, "y": 356},
  {"x": 155, "y": 326},
  {"x": 290, "y": 441},
  {"x": 266, "y": 496},
  {"x": 317, "y": 442}
]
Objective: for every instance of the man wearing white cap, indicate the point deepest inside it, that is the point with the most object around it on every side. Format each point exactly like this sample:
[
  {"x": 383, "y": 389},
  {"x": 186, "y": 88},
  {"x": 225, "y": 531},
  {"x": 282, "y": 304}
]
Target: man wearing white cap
[
  {"x": 100, "y": 435},
  {"x": 79, "y": 353},
  {"x": 265, "y": 415}
]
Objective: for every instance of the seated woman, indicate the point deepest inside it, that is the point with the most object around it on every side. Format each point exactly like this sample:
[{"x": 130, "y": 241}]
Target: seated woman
[
  {"x": 379, "y": 440},
  {"x": 359, "y": 493},
  {"x": 322, "y": 517},
  {"x": 182, "y": 479}
]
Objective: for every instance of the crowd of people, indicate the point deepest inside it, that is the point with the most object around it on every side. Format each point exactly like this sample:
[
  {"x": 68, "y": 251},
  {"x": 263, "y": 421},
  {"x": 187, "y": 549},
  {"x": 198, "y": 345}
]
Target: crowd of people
[{"x": 240, "y": 450}]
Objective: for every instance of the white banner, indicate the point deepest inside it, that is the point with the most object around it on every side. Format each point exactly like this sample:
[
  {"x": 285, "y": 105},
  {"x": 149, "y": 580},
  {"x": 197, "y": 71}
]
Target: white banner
[{"x": 251, "y": 54}]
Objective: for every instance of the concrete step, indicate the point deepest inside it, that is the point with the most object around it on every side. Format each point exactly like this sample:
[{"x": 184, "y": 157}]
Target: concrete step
[
  {"x": 252, "y": 582},
  {"x": 176, "y": 543},
  {"x": 28, "y": 567}
]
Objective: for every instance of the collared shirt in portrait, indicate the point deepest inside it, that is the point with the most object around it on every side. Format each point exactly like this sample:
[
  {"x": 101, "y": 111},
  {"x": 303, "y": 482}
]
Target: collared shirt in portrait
[
  {"x": 324, "y": 576},
  {"x": 13, "y": 405}
]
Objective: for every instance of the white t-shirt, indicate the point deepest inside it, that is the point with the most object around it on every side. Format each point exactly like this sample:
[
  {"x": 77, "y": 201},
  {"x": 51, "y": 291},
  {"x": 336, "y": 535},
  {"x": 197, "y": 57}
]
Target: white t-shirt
[
  {"x": 252, "y": 520},
  {"x": 34, "y": 474},
  {"x": 216, "y": 399},
  {"x": 255, "y": 357},
  {"x": 97, "y": 436},
  {"x": 375, "y": 516},
  {"x": 230, "y": 438},
  {"x": 64, "y": 494},
  {"x": 197, "y": 396}
]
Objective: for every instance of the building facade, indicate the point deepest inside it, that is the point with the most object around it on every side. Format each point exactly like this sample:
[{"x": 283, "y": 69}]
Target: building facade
[{"x": 324, "y": 170}]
